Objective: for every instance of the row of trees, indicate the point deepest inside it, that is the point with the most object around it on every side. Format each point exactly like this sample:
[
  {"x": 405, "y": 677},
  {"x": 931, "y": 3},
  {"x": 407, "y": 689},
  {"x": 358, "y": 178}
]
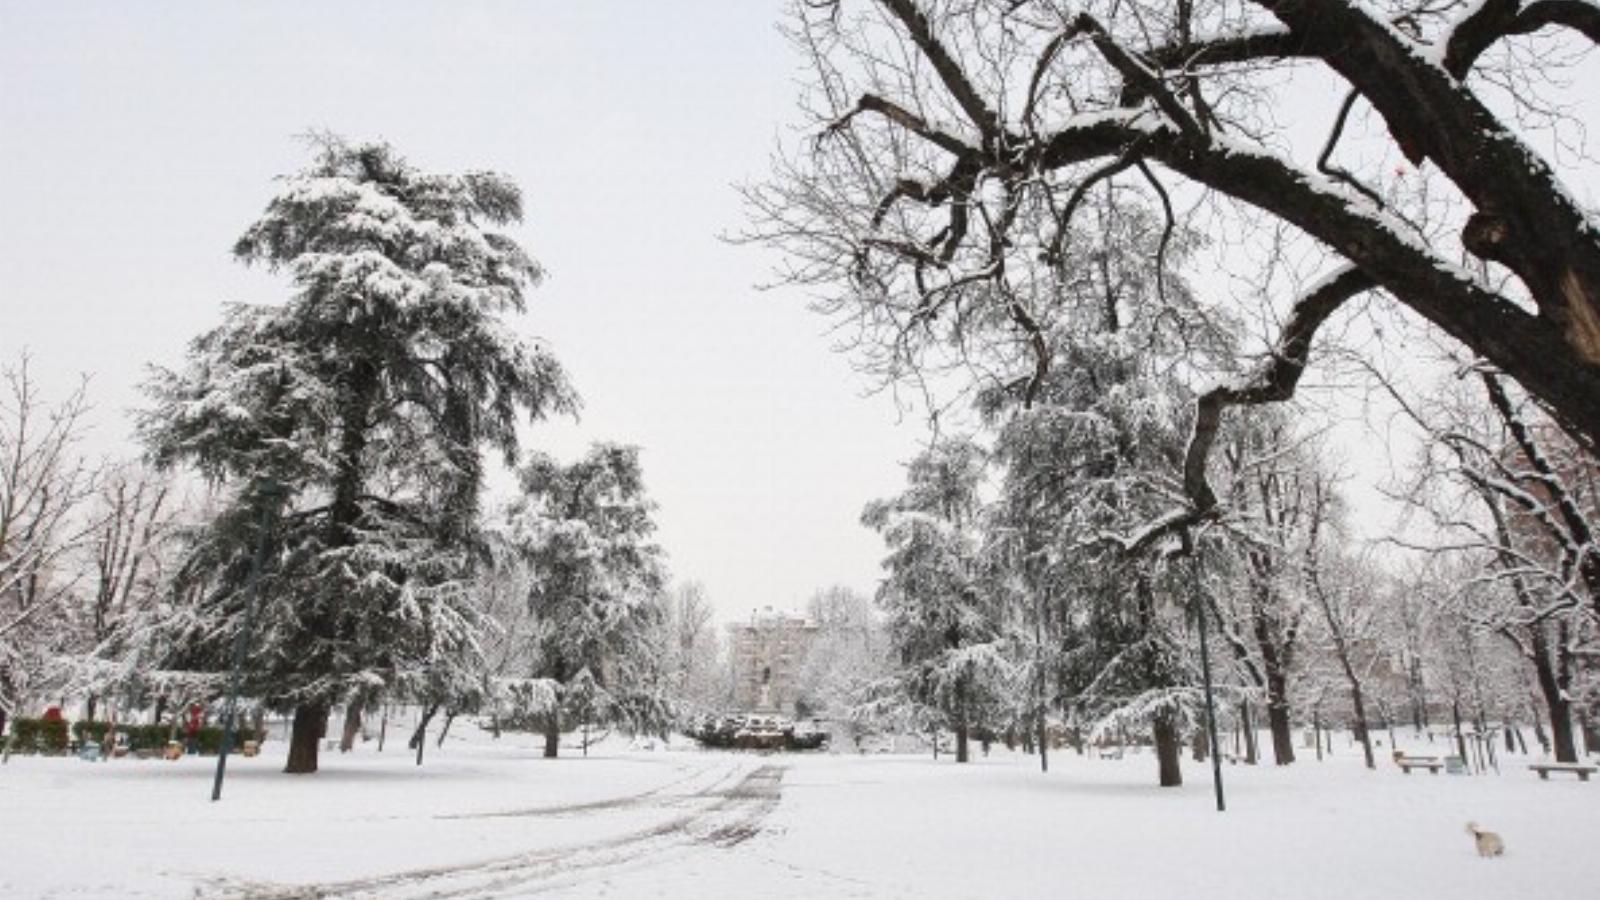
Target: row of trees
[
  {"x": 1016, "y": 610},
  {"x": 340, "y": 554}
]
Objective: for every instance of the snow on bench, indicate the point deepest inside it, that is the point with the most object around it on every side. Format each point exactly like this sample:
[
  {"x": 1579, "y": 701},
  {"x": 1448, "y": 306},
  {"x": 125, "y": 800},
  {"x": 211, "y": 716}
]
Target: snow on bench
[
  {"x": 1544, "y": 769},
  {"x": 1407, "y": 763}
]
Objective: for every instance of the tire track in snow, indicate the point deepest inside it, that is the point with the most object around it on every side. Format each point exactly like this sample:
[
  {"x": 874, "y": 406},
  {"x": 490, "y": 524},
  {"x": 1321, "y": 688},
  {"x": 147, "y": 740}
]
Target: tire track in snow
[{"x": 717, "y": 817}]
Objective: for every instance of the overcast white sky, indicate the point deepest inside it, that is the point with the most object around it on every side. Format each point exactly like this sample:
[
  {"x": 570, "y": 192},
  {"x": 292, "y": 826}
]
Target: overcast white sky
[{"x": 138, "y": 140}]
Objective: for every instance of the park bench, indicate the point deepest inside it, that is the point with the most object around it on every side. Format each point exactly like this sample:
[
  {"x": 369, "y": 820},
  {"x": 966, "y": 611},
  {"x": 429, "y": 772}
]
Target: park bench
[
  {"x": 1407, "y": 763},
  {"x": 1544, "y": 769}
]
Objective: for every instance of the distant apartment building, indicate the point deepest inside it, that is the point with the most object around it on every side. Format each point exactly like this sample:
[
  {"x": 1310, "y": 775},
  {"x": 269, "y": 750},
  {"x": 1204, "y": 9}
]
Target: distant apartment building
[{"x": 768, "y": 652}]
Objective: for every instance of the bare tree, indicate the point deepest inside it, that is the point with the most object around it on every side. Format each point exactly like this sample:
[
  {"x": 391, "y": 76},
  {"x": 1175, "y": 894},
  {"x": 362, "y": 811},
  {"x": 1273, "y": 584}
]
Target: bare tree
[
  {"x": 955, "y": 143},
  {"x": 1512, "y": 496},
  {"x": 1343, "y": 591},
  {"x": 133, "y": 519},
  {"x": 44, "y": 485}
]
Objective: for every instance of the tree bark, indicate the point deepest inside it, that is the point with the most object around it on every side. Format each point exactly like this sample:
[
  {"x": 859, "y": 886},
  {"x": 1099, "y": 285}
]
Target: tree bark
[
  {"x": 1168, "y": 749},
  {"x": 419, "y": 738},
  {"x": 961, "y": 721},
  {"x": 310, "y": 723},
  {"x": 1044, "y": 745},
  {"x": 1363, "y": 733},
  {"x": 1248, "y": 728},
  {"x": 352, "y": 724},
  {"x": 1278, "y": 721},
  {"x": 552, "y": 734},
  {"x": 449, "y": 716},
  {"x": 1555, "y": 698}
]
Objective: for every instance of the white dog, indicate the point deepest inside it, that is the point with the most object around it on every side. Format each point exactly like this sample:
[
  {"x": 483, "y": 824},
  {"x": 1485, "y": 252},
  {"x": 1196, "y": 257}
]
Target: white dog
[{"x": 1489, "y": 843}]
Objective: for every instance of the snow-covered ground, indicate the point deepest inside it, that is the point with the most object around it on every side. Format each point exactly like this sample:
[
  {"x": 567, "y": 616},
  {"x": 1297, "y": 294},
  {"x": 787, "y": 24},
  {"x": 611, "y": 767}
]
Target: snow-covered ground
[{"x": 491, "y": 819}]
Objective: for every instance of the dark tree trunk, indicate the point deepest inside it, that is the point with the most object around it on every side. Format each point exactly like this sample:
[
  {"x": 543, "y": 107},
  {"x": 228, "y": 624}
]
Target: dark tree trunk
[
  {"x": 1249, "y": 730},
  {"x": 1419, "y": 702},
  {"x": 552, "y": 735},
  {"x": 419, "y": 738},
  {"x": 383, "y": 727},
  {"x": 449, "y": 716},
  {"x": 88, "y": 709},
  {"x": 1197, "y": 745},
  {"x": 1552, "y": 686},
  {"x": 962, "y": 727},
  {"x": 1591, "y": 737},
  {"x": 1044, "y": 745},
  {"x": 310, "y": 723},
  {"x": 1168, "y": 749},
  {"x": 1316, "y": 732},
  {"x": 1363, "y": 733},
  {"x": 1461, "y": 739},
  {"x": 1282, "y": 731},
  {"x": 352, "y": 725}
]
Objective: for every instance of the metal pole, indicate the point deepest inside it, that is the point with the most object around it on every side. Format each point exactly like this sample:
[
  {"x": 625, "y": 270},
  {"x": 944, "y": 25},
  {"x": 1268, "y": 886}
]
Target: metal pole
[
  {"x": 256, "y": 564},
  {"x": 1205, "y": 670}
]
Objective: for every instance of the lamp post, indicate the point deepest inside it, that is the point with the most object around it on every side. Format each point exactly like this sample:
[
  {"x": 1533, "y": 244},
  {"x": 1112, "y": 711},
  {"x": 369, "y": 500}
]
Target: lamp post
[
  {"x": 269, "y": 503},
  {"x": 1205, "y": 673}
]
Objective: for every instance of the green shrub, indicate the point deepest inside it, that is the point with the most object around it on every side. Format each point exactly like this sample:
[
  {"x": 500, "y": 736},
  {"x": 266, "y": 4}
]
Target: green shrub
[
  {"x": 25, "y": 735},
  {"x": 38, "y": 736},
  {"x": 89, "y": 730}
]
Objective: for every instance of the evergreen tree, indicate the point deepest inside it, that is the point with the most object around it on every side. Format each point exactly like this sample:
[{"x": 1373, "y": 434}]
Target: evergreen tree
[
  {"x": 595, "y": 589},
  {"x": 349, "y": 424},
  {"x": 942, "y": 620}
]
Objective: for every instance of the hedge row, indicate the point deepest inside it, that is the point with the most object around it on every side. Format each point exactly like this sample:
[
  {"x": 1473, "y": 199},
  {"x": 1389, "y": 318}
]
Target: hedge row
[{"x": 49, "y": 737}]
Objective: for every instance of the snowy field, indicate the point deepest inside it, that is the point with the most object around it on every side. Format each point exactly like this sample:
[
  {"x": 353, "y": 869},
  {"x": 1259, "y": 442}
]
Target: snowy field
[{"x": 483, "y": 819}]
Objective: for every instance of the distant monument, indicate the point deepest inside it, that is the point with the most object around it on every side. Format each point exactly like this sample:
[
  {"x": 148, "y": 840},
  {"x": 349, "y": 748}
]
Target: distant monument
[{"x": 768, "y": 652}]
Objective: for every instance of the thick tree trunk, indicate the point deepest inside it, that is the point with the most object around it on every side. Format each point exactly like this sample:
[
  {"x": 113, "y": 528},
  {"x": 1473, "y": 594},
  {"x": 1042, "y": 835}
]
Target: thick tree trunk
[
  {"x": 1566, "y": 749},
  {"x": 961, "y": 742},
  {"x": 1362, "y": 732},
  {"x": 552, "y": 735},
  {"x": 88, "y": 708},
  {"x": 1282, "y": 732},
  {"x": 1168, "y": 749},
  {"x": 1555, "y": 700},
  {"x": 1197, "y": 745},
  {"x": 310, "y": 723},
  {"x": 352, "y": 725}
]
